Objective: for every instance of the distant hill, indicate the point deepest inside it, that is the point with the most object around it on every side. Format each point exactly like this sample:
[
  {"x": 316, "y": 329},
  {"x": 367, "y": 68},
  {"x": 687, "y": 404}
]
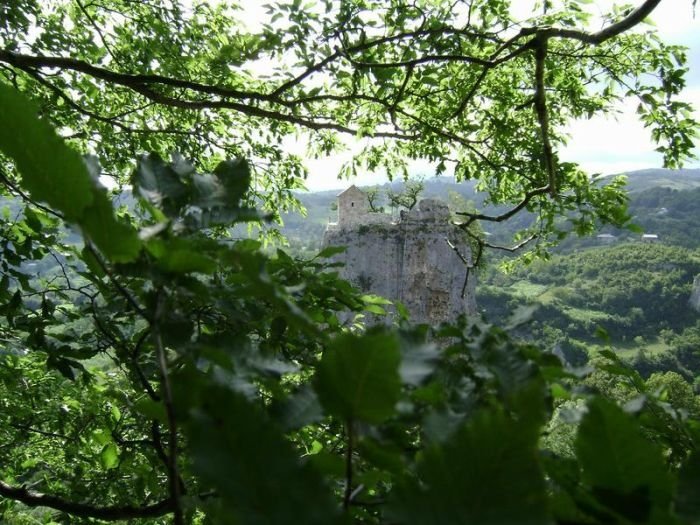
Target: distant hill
[
  {"x": 658, "y": 178},
  {"x": 665, "y": 202}
]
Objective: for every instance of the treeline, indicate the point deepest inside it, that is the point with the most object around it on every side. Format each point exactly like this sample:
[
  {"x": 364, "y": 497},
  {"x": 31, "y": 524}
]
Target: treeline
[{"x": 637, "y": 293}]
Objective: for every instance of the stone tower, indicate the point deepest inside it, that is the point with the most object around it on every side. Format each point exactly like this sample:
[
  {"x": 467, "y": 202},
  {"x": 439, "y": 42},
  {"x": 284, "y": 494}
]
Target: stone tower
[
  {"x": 352, "y": 205},
  {"x": 409, "y": 260}
]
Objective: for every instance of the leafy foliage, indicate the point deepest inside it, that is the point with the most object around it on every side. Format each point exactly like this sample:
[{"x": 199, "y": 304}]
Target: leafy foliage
[
  {"x": 478, "y": 475},
  {"x": 358, "y": 378},
  {"x": 168, "y": 372}
]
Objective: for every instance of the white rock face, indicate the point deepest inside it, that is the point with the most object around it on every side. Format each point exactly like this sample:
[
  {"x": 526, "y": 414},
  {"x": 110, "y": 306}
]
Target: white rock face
[
  {"x": 408, "y": 261},
  {"x": 695, "y": 294}
]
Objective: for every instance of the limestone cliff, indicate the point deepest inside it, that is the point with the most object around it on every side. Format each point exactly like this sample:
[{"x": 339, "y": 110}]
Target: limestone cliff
[
  {"x": 695, "y": 294},
  {"x": 409, "y": 260}
]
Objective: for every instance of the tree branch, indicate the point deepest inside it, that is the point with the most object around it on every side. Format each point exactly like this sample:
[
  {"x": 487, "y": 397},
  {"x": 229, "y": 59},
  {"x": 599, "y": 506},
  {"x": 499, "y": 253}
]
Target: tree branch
[
  {"x": 133, "y": 81},
  {"x": 347, "y": 497},
  {"x": 471, "y": 217},
  {"x": 542, "y": 114},
  {"x": 33, "y": 498},
  {"x": 174, "y": 479},
  {"x": 480, "y": 245},
  {"x": 632, "y": 19},
  {"x": 422, "y": 60},
  {"x": 120, "y": 287},
  {"x": 97, "y": 29},
  {"x": 309, "y": 71}
]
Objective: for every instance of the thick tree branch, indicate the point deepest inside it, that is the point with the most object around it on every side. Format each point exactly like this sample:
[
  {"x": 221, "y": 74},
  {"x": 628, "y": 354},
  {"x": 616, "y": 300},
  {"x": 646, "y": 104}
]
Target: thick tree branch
[
  {"x": 142, "y": 84},
  {"x": 427, "y": 59},
  {"x": 255, "y": 111},
  {"x": 133, "y": 81},
  {"x": 33, "y": 498},
  {"x": 542, "y": 114}
]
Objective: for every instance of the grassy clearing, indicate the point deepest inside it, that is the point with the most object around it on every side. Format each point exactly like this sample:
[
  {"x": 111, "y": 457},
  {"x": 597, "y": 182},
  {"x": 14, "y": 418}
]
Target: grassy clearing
[
  {"x": 629, "y": 349},
  {"x": 585, "y": 315},
  {"x": 527, "y": 289}
]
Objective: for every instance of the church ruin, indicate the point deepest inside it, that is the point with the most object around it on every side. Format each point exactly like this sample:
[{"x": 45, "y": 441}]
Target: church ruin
[{"x": 407, "y": 260}]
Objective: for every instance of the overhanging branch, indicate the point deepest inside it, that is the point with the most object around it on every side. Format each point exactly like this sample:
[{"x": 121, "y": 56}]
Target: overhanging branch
[
  {"x": 33, "y": 498},
  {"x": 471, "y": 217}
]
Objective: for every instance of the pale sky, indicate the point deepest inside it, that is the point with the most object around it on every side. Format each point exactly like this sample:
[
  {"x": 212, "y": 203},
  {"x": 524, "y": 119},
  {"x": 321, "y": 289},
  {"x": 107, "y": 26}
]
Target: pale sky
[{"x": 600, "y": 145}]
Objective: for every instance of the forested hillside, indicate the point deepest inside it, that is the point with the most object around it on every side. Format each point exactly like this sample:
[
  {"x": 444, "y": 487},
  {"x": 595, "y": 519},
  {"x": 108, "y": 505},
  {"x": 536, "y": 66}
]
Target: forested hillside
[{"x": 637, "y": 293}]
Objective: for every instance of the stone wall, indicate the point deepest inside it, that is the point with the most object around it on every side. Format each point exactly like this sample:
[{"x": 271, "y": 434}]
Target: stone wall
[{"x": 409, "y": 261}]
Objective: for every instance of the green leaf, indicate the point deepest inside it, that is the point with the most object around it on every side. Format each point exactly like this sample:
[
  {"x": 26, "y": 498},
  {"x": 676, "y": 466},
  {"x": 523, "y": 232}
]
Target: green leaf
[
  {"x": 375, "y": 309},
  {"x": 688, "y": 494},
  {"x": 486, "y": 473},
  {"x": 210, "y": 193},
  {"x": 54, "y": 173},
  {"x": 92, "y": 263},
  {"x": 234, "y": 175},
  {"x": 151, "y": 409},
  {"x": 118, "y": 241},
  {"x": 109, "y": 457},
  {"x": 251, "y": 465},
  {"x": 298, "y": 410},
  {"x": 381, "y": 455},
  {"x": 358, "y": 377},
  {"x": 330, "y": 251},
  {"x": 160, "y": 184},
  {"x": 521, "y": 315},
  {"x": 625, "y": 470},
  {"x": 180, "y": 256},
  {"x": 418, "y": 361},
  {"x": 51, "y": 171}
]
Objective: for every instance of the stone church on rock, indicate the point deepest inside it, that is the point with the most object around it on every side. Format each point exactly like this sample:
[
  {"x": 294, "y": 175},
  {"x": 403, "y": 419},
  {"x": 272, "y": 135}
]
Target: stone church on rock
[{"x": 407, "y": 260}]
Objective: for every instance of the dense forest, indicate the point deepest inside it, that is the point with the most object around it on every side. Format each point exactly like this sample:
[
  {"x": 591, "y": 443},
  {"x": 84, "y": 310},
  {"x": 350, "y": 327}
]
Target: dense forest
[
  {"x": 164, "y": 358},
  {"x": 637, "y": 293}
]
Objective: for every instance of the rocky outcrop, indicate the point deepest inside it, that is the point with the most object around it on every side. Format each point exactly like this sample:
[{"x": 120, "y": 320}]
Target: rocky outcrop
[
  {"x": 695, "y": 294},
  {"x": 410, "y": 260}
]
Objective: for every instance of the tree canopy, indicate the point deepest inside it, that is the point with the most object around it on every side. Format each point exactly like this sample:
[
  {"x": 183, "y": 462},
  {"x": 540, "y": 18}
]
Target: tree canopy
[
  {"x": 153, "y": 369},
  {"x": 451, "y": 82}
]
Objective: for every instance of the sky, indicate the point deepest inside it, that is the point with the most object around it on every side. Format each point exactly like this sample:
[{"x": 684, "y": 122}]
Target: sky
[{"x": 604, "y": 145}]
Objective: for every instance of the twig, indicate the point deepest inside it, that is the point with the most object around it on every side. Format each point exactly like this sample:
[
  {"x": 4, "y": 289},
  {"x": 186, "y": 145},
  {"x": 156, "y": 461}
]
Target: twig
[
  {"x": 347, "y": 499},
  {"x": 173, "y": 473},
  {"x": 122, "y": 290},
  {"x": 4, "y": 178},
  {"x": 98, "y": 30}
]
